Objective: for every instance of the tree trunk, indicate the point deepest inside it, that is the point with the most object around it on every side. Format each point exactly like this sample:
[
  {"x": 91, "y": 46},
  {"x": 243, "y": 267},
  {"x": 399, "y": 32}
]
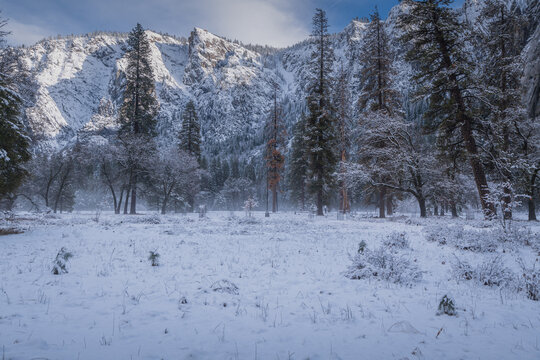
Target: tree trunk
[
  {"x": 453, "y": 208},
  {"x": 127, "y": 200},
  {"x": 382, "y": 192},
  {"x": 507, "y": 200},
  {"x": 443, "y": 206},
  {"x": 133, "y": 205},
  {"x": 532, "y": 210},
  {"x": 320, "y": 203},
  {"x": 389, "y": 206},
  {"x": 164, "y": 206},
  {"x": 303, "y": 197},
  {"x": 274, "y": 199},
  {"x": 115, "y": 201},
  {"x": 466, "y": 127},
  {"x": 119, "y": 205},
  {"x": 435, "y": 210},
  {"x": 422, "y": 204}
]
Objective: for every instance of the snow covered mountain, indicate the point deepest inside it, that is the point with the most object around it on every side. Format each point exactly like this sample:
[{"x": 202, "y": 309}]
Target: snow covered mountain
[{"x": 77, "y": 83}]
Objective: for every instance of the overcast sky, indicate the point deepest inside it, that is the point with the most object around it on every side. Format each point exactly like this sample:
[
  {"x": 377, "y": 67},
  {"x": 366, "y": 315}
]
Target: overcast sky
[{"x": 272, "y": 22}]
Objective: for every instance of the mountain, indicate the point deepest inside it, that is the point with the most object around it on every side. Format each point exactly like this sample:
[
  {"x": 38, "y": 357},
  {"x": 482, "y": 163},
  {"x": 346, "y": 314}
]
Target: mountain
[{"x": 76, "y": 82}]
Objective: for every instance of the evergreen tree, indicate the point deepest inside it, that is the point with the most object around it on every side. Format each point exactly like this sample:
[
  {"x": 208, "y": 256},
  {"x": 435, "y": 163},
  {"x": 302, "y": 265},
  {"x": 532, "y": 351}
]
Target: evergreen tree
[
  {"x": 502, "y": 72},
  {"x": 140, "y": 107},
  {"x": 14, "y": 142},
  {"x": 320, "y": 136},
  {"x": 190, "y": 134},
  {"x": 377, "y": 92},
  {"x": 342, "y": 101},
  {"x": 443, "y": 74},
  {"x": 378, "y": 100},
  {"x": 298, "y": 164}
]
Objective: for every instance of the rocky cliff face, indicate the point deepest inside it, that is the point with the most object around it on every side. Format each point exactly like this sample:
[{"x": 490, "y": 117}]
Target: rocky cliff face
[{"x": 77, "y": 83}]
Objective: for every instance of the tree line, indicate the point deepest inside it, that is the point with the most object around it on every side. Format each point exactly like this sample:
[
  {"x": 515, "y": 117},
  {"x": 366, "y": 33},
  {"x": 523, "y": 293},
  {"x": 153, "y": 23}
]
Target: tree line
[
  {"x": 461, "y": 125},
  {"x": 457, "y": 133}
]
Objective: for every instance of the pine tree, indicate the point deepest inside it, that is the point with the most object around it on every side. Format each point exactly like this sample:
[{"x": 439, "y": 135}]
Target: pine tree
[
  {"x": 275, "y": 148},
  {"x": 377, "y": 92},
  {"x": 378, "y": 99},
  {"x": 443, "y": 75},
  {"x": 320, "y": 136},
  {"x": 298, "y": 164},
  {"x": 502, "y": 72},
  {"x": 342, "y": 101},
  {"x": 14, "y": 143},
  {"x": 140, "y": 107},
  {"x": 190, "y": 134}
]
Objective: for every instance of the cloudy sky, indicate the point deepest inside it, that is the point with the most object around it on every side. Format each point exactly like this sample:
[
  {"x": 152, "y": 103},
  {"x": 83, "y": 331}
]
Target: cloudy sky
[{"x": 272, "y": 22}]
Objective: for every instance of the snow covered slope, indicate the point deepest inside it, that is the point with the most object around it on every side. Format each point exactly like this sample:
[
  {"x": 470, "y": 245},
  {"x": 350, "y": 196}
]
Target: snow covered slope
[{"x": 77, "y": 83}]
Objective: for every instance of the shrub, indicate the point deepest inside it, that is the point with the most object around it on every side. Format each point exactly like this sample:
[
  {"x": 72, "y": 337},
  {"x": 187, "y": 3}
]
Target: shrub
[
  {"x": 491, "y": 272},
  {"x": 530, "y": 280},
  {"x": 382, "y": 264},
  {"x": 447, "y": 306},
  {"x": 474, "y": 240},
  {"x": 60, "y": 262},
  {"x": 397, "y": 240},
  {"x": 462, "y": 270},
  {"x": 519, "y": 235},
  {"x": 154, "y": 258}
]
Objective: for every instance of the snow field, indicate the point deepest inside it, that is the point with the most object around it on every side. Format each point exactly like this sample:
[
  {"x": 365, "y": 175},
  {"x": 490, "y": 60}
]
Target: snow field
[{"x": 293, "y": 299}]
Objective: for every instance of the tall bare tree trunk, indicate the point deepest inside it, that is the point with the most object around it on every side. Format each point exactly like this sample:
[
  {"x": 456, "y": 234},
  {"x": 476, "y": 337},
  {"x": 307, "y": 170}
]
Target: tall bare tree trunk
[{"x": 382, "y": 192}]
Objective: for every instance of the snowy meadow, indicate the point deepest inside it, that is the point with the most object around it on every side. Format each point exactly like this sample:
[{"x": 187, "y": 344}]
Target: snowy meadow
[{"x": 228, "y": 286}]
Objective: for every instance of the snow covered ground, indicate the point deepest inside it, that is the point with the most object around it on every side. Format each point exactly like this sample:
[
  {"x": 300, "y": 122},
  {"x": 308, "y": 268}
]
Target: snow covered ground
[{"x": 292, "y": 301}]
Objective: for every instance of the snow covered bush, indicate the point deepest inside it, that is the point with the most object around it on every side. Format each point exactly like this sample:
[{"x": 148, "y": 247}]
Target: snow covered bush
[
  {"x": 519, "y": 235},
  {"x": 152, "y": 219},
  {"x": 490, "y": 272},
  {"x": 154, "y": 258},
  {"x": 60, "y": 262},
  {"x": 474, "y": 240},
  {"x": 530, "y": 280},
  {"x": 397, "y": 240},
  {"x": 447, "y": 306},
  {"x": 462, "y": 270},
  {"x": 383, "y": 264}
]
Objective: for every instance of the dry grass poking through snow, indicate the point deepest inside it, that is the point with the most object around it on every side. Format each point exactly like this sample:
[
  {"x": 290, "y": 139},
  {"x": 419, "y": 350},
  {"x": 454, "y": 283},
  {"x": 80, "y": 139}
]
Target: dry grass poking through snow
[{"x": 231, "y": 288}]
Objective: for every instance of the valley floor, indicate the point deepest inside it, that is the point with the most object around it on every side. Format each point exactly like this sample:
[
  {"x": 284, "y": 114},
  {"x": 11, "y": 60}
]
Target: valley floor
[{"x": 293, "y": 300}]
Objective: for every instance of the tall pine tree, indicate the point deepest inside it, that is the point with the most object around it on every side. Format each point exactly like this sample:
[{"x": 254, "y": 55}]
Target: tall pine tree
[
  {"x": 190, "y": 134},
  {"x": 378, "y": 100},
  {"x": 320, "y": 136},
  {"x": 140, "y": 107},
  {"x": 502, "y": 72},
  {"x": 343, "y": 114},
  {"x": 14, "y": 143},
  {"x": 436, "y": 36}
]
